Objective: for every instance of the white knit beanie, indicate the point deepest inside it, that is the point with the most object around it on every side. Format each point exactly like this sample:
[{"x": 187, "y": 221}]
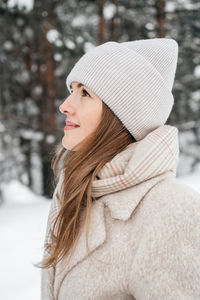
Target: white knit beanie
[{"x": 133, "y": 78}]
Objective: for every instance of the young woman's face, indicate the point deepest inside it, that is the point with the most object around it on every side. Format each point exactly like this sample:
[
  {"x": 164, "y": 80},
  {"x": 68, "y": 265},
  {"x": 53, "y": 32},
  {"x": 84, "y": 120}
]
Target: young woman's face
[{"x": 83, "y": 108}]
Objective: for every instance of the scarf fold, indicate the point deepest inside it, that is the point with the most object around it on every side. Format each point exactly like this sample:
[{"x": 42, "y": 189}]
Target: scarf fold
[{"x": 152, "y": 156}]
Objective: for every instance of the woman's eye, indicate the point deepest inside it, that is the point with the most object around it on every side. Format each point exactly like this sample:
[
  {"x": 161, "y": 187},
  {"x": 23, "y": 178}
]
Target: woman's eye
[{"x": 85, "y": 93}]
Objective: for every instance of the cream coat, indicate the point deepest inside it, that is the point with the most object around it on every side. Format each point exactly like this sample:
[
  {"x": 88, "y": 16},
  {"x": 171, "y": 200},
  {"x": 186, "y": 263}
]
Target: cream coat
[{"x": 144, "y": 234}]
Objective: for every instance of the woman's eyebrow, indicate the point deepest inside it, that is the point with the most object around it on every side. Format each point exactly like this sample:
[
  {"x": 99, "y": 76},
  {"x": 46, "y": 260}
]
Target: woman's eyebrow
[{"x": 79, "y": 85}]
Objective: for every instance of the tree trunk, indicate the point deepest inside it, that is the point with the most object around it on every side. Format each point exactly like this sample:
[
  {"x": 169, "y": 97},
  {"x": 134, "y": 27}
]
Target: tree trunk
[
  {"x": 49, "y": 101},
  {"x": 113, "y": 34},
  {"x": 160, "y": 17},
  {"x": 101, "y": 22},
  {"x": 47, "y": 172}
]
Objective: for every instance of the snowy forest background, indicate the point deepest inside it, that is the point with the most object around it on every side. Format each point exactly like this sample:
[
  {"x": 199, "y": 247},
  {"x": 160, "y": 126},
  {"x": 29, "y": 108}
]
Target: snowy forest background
[{"x": 39, "y": 43}]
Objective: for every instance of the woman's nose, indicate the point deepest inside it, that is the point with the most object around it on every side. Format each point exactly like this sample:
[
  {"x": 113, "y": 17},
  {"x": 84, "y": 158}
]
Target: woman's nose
[{"x": 66, "y": 107}]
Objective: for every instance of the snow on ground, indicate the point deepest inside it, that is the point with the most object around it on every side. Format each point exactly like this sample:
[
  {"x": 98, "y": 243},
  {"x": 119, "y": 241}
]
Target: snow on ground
[
  {"x": 23, "y": 226},
  {"x": 23, "y": 219}
]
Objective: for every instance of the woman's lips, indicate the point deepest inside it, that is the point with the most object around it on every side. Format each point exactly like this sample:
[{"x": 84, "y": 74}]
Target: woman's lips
[{"x": 69, "y": 127}]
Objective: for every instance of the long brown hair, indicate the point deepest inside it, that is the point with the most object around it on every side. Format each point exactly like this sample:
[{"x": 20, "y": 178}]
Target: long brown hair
[{"x": 80, "y": 168}]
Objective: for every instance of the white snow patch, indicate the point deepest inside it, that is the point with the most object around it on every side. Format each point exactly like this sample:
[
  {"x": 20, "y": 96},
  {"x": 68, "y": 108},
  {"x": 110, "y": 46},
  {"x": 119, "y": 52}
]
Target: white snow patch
[
  {"x": 196, "y": 95},
  {"x": 27, "y": 4},
  {"x": 149, "y": 26},
  {"x": 37, "y": 90},
  {"x": 7, "y": 138},
  {"x": 79, "y": 39},
  {"x": 36, "y": 170},
  {"x": 22, "y": 237},
  {"x": 69, "y": 43},
  {"x": 50, "y": 139},
  {"x": 79, "y": 21},
  {"x": 2, "y": 127},
  {"x": 88, "y": 46},
  {"x": 16, "y": 192},
  {"x": 29, "y": 32},
  {"x": 29, "y": 134},
  {"x": 170, "y": 6},
  {"x": 57, "y": 57},
  {"x": 52, "y": 35},
  {"x": 8, "y": 45},
  {"x": 31, "y": 107},
  {"x": 58, "y": 43},
  {"x": 109, "y": 11},
  {"x": 197, "y": 71}
]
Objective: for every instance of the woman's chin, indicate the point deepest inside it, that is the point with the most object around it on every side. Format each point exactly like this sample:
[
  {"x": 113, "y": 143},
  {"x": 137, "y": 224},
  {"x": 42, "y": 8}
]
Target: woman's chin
[
  {"x": 68, "y": 143},
  {"x": 65, "y": 144}
]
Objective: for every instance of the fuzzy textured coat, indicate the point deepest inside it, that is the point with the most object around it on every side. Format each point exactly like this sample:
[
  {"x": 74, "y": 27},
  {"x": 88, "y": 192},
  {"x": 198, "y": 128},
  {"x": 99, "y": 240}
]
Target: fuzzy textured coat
[{"x": 144, "y": 236}]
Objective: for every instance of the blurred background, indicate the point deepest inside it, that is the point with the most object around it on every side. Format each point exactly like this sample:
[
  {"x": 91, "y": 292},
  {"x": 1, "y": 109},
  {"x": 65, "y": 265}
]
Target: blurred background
[{"x": 39, "y": 43}]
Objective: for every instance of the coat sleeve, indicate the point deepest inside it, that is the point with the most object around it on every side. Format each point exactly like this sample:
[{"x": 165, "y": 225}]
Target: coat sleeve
[
  {"x": 48, "y": 275},
  {"x": 47, "y": 287},
  {"x": 167, "y": 263}
]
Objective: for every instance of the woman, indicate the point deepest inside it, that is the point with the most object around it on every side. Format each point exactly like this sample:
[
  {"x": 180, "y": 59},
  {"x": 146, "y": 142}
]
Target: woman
[{"x": 120, "y": 225}]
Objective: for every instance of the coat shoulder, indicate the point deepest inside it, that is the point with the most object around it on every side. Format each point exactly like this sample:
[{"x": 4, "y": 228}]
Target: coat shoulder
[
  {"x": 175, "y": 194},
  {"x": 168, "y": 206},
  {"x": 168, "y": 245}
]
